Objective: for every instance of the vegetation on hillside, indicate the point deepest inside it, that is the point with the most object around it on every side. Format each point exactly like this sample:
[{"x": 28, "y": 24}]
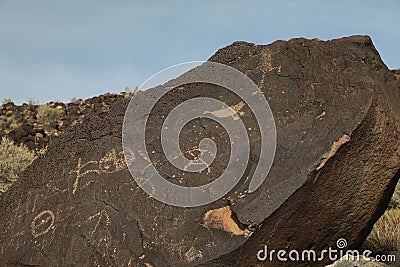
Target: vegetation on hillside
[
  {"x": 13, "y": 161},
  {"x": 48, "y": 116}
]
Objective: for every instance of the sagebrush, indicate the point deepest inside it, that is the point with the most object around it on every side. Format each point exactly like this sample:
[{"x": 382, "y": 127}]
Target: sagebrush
[
  {"x": 47, "y": 115},
  {"x": 13, "y": 161}
]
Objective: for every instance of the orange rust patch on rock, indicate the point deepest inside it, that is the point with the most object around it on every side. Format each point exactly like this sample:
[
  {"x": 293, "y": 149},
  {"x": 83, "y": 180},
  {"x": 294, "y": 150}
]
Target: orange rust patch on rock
[
  {"x": 334, "y": 148},
  {"x": 223, "y": 219}
]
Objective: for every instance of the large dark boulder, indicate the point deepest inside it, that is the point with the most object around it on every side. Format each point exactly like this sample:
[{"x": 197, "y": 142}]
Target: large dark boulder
[{"x": 337, "y": 115}]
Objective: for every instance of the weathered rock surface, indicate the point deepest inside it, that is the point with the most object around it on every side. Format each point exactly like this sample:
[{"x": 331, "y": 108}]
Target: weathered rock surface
[{"x": 337, "y": 113}]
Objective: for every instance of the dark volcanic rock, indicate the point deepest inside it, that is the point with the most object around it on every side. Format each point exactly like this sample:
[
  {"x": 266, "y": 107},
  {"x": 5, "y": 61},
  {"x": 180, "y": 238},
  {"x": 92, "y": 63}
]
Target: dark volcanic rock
[
  {"x": 336, "y": 108},
  {"x": 15, "y": 119}
]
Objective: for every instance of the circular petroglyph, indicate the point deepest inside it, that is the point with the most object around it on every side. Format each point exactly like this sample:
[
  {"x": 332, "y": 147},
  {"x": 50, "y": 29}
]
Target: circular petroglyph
[{"x": 42, "y": 223}]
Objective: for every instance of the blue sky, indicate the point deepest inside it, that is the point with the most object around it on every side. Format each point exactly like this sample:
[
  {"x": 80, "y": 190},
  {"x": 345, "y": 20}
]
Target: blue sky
[{"x": 51, "y": 49}]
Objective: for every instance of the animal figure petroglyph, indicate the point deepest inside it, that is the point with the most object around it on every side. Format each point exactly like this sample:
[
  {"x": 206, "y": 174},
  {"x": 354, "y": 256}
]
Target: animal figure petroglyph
[{"x": 110, "y": 163}]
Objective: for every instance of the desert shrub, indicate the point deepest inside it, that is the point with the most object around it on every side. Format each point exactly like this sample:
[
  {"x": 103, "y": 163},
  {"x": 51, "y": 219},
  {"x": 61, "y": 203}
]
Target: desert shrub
[
  {"x": 13, "y": 161},
  {"x": 128, "y": 90},
  {"x": 41, "y": 150},
  {"x": 6, "y": 100},
  {"x": 14, "y": 123},
  {"x": 32, "y": 101},
  {"x": 395, "y": 201},
  {"x": 4, "y": 122},
  {"x": 47, "y": 115},
  {"x": 385, "y": 235},
  {"x": 129, "y": 93},
  {"x": 8, "y": 123}
]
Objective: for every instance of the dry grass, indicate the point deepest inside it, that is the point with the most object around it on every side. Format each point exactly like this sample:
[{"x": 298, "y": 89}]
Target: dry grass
[
  {"x": 395, "y": 201},
  {"x": 385, "y": 235}
]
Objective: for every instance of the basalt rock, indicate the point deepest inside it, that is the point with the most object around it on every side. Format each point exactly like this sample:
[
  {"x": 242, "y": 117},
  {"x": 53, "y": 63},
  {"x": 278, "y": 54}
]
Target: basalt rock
[
  {"x": 14, "y": 120},
  {"x": 337, "y": 114}
]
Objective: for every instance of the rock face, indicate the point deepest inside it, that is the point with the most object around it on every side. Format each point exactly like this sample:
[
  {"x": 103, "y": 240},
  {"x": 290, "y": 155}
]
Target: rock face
[{"x": 337, "y": 115}]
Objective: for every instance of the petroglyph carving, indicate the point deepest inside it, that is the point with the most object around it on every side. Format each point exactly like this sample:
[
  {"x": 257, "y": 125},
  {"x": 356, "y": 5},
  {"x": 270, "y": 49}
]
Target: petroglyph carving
[
  {"x": 267, "y": 67},
  {"x": 80, "y": 172},
  {"x": 193, "y": 254},
  {"x": 110, "y": 163},
  {"x": 100, "y": 215},
  {"x": 42, "y": 223},
  {"x": 194, "y": 153},
  {"x": 229, "y": 112}
]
